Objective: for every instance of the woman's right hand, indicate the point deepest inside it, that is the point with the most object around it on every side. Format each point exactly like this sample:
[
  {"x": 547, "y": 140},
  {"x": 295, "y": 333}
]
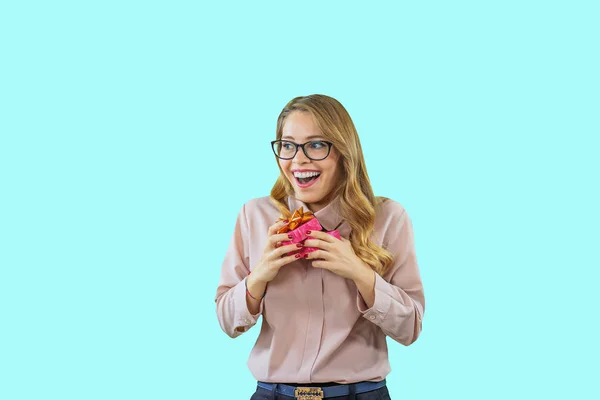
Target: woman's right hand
[{"x": 274, "y": 255}]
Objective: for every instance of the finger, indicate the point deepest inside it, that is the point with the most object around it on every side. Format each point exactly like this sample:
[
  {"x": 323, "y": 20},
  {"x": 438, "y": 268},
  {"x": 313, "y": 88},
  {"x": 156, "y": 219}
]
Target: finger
[
  {"x": 324, "y": 255},
  {"x": 273, "y": 241},
  {"x": 286, "y": 260},
  {"x": 276, "y": 226},
  {"x": 321, "y": 244},
  {"x": 280, "y": 251},
  {"x": 322, "y": 236},
  {"x": 320, "y": 264},
  {"x": 280, "y": 237}
]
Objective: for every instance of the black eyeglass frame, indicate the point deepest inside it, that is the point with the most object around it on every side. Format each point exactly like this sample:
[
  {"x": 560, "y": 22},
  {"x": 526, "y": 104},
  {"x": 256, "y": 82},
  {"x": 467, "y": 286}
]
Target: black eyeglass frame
[{"x": 329, "y": 145}]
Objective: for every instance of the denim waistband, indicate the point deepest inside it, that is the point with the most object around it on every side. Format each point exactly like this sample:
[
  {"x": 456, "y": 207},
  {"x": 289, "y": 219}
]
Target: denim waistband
[{"x": 328, "y": 391}]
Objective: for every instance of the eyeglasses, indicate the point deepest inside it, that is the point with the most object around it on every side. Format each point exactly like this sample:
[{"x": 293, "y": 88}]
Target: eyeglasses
[{"x": 316, "y": 150}]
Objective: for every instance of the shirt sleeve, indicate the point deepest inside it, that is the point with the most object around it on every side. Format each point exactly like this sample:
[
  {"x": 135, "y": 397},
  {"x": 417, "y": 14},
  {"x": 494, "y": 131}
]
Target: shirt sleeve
[
  {"x": 232, "y": 309},
  {"x": 400, "y": 303}
]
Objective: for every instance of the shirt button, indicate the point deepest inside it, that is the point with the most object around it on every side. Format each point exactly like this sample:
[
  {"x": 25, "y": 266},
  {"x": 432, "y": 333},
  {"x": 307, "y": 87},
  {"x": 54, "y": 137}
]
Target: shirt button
[{"x": 372, "y": 317}]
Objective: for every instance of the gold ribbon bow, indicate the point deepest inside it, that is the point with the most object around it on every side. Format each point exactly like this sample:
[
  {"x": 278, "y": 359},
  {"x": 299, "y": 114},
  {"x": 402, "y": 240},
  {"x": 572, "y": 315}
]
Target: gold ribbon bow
[{"x": 298, "y": 218}]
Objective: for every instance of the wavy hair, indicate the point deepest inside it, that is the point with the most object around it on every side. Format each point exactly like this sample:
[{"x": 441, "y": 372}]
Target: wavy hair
[{"x": 357, "y": 201}]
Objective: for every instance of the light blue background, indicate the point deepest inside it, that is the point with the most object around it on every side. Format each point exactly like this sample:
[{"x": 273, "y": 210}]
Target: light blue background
[{"x": 131, "y": 133}]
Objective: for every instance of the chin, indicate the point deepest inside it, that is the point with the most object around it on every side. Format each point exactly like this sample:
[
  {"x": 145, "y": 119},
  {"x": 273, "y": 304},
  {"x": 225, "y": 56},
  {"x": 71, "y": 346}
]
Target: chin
[{"x": 309, "y": 199}]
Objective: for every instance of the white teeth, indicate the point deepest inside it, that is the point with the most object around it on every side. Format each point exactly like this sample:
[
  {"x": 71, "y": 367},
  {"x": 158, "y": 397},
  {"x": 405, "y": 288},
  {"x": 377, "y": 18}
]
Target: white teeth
[{"x": 306, "y": 174}]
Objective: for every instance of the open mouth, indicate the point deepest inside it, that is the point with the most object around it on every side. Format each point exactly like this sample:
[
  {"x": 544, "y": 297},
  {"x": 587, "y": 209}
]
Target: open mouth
[{"x": 307, "y": 181}]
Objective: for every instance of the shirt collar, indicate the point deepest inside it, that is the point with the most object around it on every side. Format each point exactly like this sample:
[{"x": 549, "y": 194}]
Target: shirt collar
[{"x": 329, "y": 216}]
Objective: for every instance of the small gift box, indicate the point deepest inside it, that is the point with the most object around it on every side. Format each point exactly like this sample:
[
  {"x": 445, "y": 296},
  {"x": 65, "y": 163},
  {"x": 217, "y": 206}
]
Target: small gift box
[{"x": 300, "y": 223}]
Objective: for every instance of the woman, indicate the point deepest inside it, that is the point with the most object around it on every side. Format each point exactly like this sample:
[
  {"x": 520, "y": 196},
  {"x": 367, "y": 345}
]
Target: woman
[{"x": 325, "y": 314}]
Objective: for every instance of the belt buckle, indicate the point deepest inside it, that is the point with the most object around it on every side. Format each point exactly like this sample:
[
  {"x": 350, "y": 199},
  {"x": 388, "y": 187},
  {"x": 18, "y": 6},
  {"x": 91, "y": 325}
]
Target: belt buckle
[{"x": 308, "y": 393}]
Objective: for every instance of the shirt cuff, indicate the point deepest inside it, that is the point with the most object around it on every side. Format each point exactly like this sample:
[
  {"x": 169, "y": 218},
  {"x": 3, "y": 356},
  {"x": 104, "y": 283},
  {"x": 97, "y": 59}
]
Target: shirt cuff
[
  {"x": 244, "y": 320},
  {"x": 381, "y": 305}
]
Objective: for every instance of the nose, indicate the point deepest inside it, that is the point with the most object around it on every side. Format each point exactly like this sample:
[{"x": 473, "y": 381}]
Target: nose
[{"x": 300, "y": 157}]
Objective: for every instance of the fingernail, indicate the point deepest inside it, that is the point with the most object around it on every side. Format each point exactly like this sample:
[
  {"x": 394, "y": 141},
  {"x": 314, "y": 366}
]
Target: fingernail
[
  {"x": 306, "y": 256},
  {"x": 308, "y": 232},
  {"x": 299, "y": 245},
  {"x": 298, "y": 255},
  {"x": 290, "y": 236},
  {"x": 285, "y": 221}
]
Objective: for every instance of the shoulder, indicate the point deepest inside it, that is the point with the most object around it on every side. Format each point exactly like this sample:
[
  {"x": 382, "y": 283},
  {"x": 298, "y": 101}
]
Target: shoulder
[
  {"x": 260, "y": 205},
  {"x": 388, "y": 209},
  {"x": 260, "y": 212},
  {"x": 390, "y": 219}
]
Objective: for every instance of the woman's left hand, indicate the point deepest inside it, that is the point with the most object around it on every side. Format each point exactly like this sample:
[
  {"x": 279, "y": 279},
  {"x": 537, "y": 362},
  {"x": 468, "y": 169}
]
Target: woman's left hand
[{"x": 334, "y": 255}]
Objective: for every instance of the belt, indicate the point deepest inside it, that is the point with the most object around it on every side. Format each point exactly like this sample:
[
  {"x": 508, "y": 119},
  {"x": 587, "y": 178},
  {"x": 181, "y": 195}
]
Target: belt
[{"x": 317, "y": 393}]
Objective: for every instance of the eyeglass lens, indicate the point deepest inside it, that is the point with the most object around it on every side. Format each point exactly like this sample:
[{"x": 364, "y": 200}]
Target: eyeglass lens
[{"x": 315, "y": 149}]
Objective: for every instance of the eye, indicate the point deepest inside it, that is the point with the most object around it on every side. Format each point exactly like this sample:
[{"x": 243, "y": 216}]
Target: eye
[
  {"x": 318, "y": 144},
  {"x": 287, "y": 146}
]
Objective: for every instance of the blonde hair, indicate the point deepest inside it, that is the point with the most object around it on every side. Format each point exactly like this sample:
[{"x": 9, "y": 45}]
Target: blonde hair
[{"x": 357, "y": 201}]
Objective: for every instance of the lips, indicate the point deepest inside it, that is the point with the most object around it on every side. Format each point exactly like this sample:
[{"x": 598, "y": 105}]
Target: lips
[
  {"x": 308, "y": 184},
  {"x": 307, "y": 177}
]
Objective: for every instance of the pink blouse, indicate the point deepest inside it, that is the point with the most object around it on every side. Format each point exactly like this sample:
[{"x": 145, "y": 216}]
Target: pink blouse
[{"x": 316, "y": 326}]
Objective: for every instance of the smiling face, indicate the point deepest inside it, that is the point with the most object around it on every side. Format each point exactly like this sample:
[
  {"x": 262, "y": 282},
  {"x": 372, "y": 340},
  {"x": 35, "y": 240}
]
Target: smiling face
[{"x": 313, "y": 181}]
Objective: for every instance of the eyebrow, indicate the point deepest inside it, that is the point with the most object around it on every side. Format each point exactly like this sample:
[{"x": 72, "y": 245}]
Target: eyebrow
[{"x": 308, "y": 137}]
